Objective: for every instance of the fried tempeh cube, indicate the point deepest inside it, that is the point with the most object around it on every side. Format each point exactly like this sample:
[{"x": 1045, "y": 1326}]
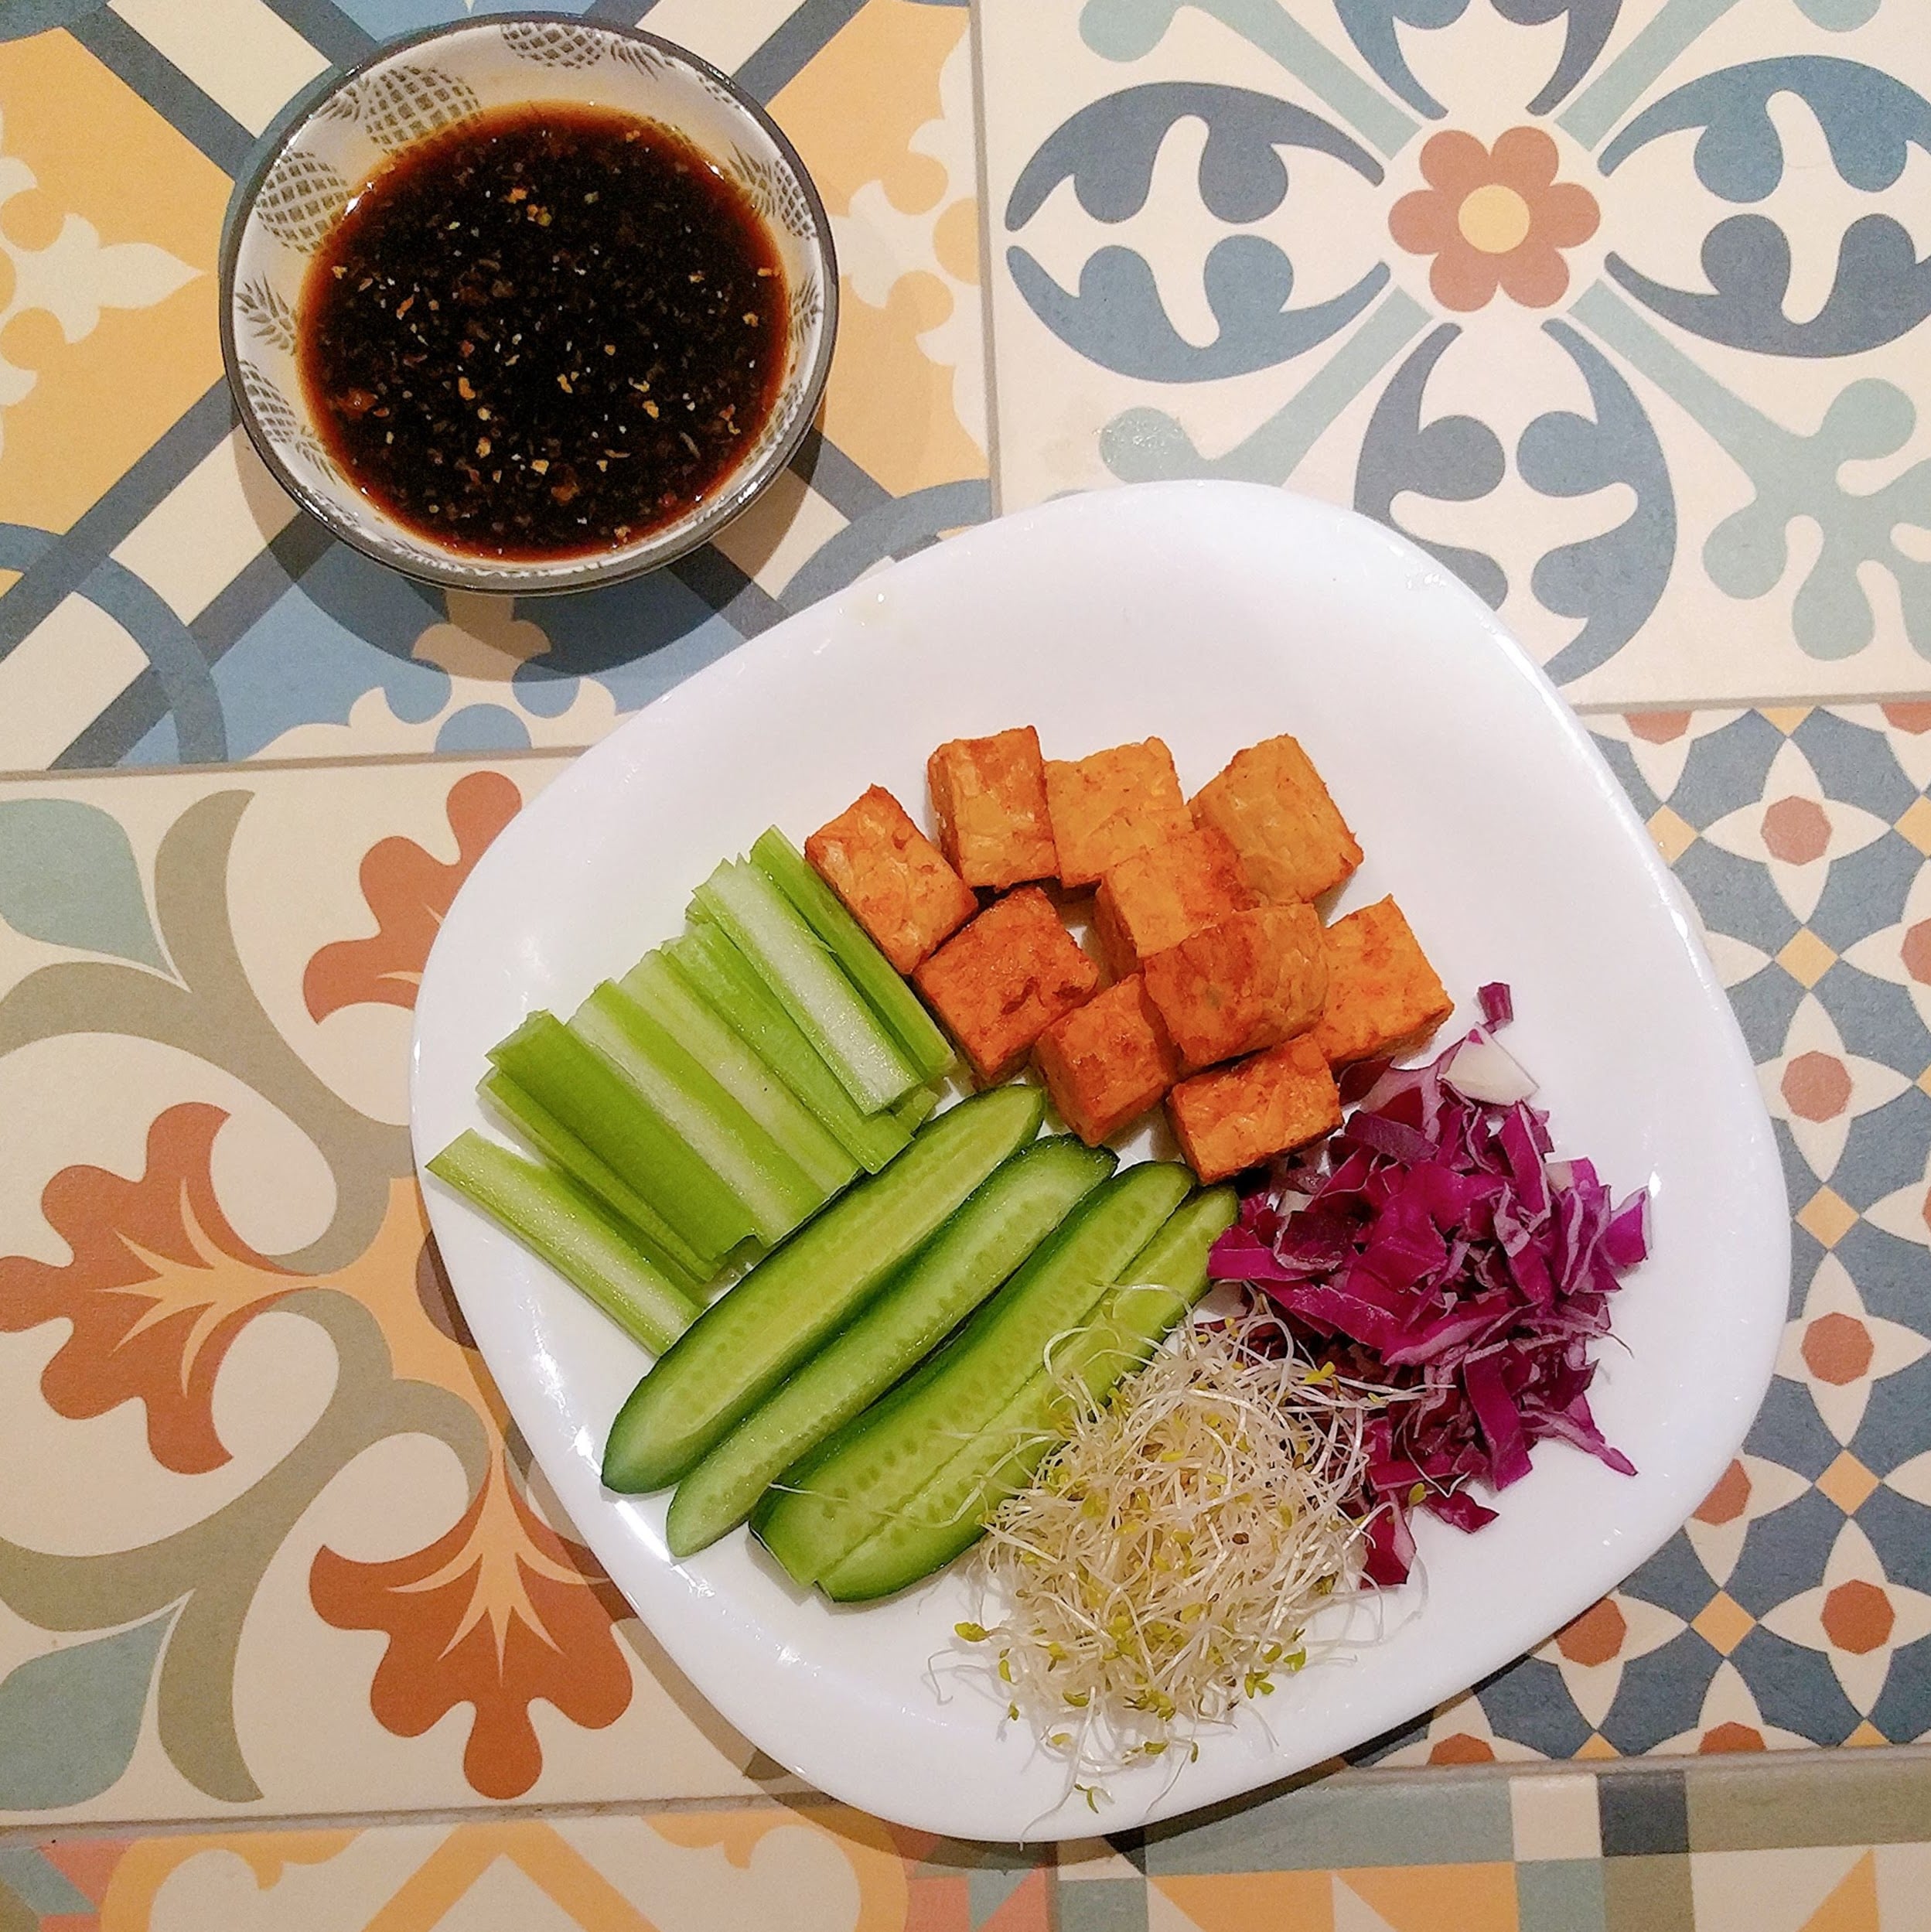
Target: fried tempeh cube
[
  {"x": 1000, "y": 983},
  {"x": 989, "y": 795},
  {"x": 1256, "y": 978},
  {"x": 1108, "y": 806},
  {"x": 1382, "y": 992},
  {"x": 1291, "y": 838},
  {"x": 1237, "y": 1116},
  {"x": 893, "y": 881},
  {"x": 1106, "y": 1063},
  {"x": 1167, "y": 893}
]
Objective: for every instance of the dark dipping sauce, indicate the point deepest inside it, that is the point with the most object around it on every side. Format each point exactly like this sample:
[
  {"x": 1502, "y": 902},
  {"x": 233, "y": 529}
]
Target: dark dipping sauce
[{"x": 543, "y": 332}]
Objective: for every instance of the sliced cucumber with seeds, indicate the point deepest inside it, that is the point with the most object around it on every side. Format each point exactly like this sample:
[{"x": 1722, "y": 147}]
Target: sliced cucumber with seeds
[
  {"x": 1027, "y": 1197},
  {"x": 949, "y": 1514},
  {"x": 744, "y": 1346},
  {"x": 826, "y": 1506}
]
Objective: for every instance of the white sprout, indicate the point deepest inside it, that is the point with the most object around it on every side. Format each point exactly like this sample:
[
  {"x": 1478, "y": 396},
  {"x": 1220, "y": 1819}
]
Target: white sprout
[{"x": 1164, "y": 1564}]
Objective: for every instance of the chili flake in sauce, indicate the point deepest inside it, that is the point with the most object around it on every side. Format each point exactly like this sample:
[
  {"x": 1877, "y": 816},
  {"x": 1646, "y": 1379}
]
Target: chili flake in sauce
[{"x": 543, "y": 332}]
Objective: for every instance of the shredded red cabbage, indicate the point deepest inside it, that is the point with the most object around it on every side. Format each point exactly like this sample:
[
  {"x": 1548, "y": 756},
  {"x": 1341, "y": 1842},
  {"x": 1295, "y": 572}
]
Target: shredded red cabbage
[{"x": 1431, "y": 1244}]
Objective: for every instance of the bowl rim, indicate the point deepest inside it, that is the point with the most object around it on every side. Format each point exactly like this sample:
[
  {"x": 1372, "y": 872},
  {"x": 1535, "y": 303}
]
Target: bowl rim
[{"x": 461, "y": 572}]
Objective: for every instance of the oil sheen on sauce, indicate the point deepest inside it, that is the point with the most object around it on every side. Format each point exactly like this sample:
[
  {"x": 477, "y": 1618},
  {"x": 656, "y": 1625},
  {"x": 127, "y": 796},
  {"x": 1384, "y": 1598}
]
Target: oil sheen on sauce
[{"x": 543, "y": 332}]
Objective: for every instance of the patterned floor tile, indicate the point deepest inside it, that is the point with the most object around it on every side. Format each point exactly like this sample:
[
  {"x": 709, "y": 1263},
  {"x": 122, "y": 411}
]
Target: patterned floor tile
[
  {"x": 255, "y": 635},
  {"x": 1564, "y": 1895},
  {"x": 699, "y": 1871},
  {"x": 1397, "y": 1821},
  {"x": 1795, "y": 1609},
  {"x": 1837, "y": 1847},
  {"x": 1796, "y": 825},
  {"x": 1648, "y": 1894},
  {"x": 1243, "y": 1902},
  {"x": 109, "y": 250},
  {"x": 1537, "y": 336},
  {"x": 273, "y": 1478},
  {"x": 1815, "y": 1890}
]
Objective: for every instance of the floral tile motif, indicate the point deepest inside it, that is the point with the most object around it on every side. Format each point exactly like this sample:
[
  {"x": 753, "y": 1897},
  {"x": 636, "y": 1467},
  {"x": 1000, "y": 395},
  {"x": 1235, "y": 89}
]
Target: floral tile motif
[
  {"x": 284, "y": 1551},
  {"x": 1791, "y": 1610},
  {"x": 1596, "y": 317},
  {"x": 198, "y": 619},
  {"x": 217, "y": 1285},
  {"x": 109, "y": 256}
]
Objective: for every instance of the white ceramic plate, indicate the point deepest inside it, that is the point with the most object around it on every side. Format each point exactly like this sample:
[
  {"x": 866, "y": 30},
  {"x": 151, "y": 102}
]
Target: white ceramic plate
[{"x": 1214, "y": 614}]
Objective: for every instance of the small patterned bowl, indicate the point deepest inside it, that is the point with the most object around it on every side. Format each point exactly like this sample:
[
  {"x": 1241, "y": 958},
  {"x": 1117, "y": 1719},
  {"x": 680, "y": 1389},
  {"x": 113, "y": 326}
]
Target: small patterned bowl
[{"x": 282, "y": 211}]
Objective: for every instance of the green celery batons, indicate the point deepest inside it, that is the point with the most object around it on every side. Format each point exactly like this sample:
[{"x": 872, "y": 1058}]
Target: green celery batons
[
  {"x": 572, "y": 1230},
  {"x": 720, "y": 975},
  {"x": 776, "y": 1191},
  {"x": 548, "y": 1135},
  {"x": 574, "y": 1083},
  {"x": 740, "y": 1071},
  {"x": 809, "y": 983},
  {"x": 913, "y": 1028}
]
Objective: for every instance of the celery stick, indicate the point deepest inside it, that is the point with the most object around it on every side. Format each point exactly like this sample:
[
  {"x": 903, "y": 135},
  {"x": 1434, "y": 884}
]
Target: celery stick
[
  {"x": 888, "y": 996},
  {"x": 674, "y": 1256},
  {"x": 720, "y": 975},
  {"x": 661, "y": 993},
  {"x": 608, "y": 1114},
  {"x": 574, "y": 1232},
  {"x": 915, "y": 1109},
  {"x": 774, "y": 1188},
  {"x": 808, "y": 980}
]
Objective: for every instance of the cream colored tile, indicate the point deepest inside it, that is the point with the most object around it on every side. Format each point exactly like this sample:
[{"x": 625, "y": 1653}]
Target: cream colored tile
[
  {"x": 58, "y": 678},
  {"x": 301, "y": 1693},
  {"x": 194, "y": 543},
  {"x": 1904, "y": 1887},
  {"x": 215, "y": 1884},
  {"x": 803, "y": 1871},
  {"x": 779, "y": 531},
  {"x": 505, "y": 1895},
  {"x": 237, "y": 52},
  {"x": 727, "y": 36},
  {"x": 1767, "y": 1890},
  {"x": 1555, "y": 1816}
]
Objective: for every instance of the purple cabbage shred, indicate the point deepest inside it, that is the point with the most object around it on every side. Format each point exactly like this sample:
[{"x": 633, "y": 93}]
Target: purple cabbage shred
[{"x": 1432, "y": 1245}]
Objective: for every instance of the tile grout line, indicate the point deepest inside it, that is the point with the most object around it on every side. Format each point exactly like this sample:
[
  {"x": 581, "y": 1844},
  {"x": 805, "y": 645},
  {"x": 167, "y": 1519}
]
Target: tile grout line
[
  {"x": 236, "y": 768},
  {"x": 1823, "y": 1760},
  {"x": 982, "y": 178},
  {"x": 1917, "y": 694},
  {"x": 13, "y": 1836},
  {"x": 68, "y": 774}
]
